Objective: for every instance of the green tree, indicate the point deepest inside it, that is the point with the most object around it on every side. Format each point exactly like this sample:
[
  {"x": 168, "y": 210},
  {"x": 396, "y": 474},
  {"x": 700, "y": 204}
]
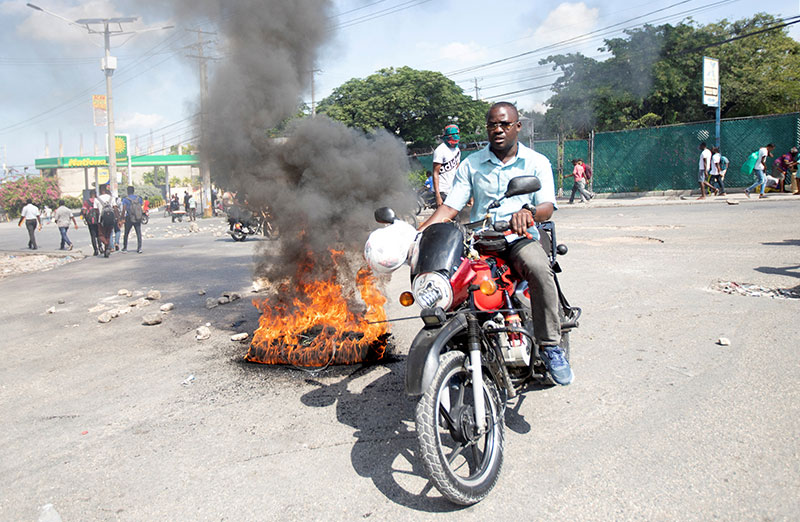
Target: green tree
[
  {"x": 654, "y": 76},
  {"x": 41, "y": 190},
  {"x": 158, "y": 179},
  {"x": 415, "y": 105}
]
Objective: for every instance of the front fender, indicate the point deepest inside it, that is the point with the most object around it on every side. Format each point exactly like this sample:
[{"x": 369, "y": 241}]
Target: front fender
[{"x": 423, "y": 356}]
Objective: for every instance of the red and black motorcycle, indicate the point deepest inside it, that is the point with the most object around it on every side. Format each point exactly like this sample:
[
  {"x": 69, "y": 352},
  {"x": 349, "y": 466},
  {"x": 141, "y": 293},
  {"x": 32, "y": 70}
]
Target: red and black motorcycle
[{"x": 477, "y": 347}]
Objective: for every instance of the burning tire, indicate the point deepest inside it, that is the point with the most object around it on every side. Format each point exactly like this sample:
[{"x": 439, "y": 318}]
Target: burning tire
[{"x": 463, "y": 465}]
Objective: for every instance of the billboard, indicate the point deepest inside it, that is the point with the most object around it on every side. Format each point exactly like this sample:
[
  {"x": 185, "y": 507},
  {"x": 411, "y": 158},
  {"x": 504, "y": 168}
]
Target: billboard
[
  {"x": 99, "y": 110},
  {"x": 710, "y": 81}
]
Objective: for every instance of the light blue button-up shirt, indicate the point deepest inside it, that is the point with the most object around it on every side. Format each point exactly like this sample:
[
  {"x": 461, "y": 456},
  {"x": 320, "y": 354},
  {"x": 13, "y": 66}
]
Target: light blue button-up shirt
[{"x": 484, "y": 177}]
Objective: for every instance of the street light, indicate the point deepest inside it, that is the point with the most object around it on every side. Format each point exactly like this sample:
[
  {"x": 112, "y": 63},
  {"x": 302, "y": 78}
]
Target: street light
[{"x": 108, "y": 64}]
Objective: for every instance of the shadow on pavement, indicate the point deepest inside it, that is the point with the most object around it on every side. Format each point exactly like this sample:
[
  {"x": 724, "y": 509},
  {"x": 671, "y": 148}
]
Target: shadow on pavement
[
  {"x": 383, "y": 418},
  {"x": 788, "y": 271}
]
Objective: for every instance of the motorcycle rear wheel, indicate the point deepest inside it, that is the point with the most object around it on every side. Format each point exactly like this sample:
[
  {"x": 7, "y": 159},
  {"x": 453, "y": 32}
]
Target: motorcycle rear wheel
[
  {"x": 145, "y": 219},
  {"x": 463, "y": 465}
]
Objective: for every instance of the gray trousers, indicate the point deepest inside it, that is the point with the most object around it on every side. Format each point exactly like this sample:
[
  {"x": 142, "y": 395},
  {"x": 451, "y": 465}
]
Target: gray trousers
[
  {"x": 530, "y": 261},
  {"x": 580, "y": 187},
  {"x": 31, "y": 225}
]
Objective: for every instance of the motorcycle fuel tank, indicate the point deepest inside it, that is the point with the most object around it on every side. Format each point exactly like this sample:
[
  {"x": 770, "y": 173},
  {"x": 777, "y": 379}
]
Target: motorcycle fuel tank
[{"x": 440, "y": 249}]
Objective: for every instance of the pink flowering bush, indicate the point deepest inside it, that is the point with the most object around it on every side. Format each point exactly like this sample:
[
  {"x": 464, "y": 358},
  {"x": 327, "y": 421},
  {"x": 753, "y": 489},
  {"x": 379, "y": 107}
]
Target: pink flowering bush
[{"x": 43, "y": 191}]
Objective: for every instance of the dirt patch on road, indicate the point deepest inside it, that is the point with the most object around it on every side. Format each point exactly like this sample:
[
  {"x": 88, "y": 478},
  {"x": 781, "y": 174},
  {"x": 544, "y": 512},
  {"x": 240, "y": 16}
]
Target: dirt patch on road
[{"x": 14, "y": 264}]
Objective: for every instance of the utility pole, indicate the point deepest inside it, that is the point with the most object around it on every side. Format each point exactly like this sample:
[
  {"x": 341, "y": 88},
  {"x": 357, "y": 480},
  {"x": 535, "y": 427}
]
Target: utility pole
[
  {"x": 477, "y": 90},
  {"x": 111, "y": 27},
  {"x": 205, "y": 171}
]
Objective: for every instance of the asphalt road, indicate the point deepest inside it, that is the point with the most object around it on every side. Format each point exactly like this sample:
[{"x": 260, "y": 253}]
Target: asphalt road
[{"x": 660, "y": 424}]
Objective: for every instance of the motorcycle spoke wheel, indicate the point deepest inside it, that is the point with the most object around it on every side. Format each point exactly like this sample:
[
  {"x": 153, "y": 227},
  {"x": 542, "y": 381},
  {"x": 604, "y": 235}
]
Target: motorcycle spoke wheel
[{"x": 462, "y": 463}]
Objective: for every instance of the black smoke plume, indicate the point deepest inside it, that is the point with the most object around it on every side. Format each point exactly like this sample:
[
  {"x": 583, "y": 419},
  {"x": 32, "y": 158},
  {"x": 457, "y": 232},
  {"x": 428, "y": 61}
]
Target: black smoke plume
[{"x": 320, "y": 180}]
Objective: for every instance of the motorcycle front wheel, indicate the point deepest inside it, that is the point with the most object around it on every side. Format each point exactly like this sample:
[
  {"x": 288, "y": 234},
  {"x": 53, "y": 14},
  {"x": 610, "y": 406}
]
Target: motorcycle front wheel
[
  {"x": 145, "y": 219},
  {"x": 463, "y": 464},
  {"x": 238, "y": 235}
]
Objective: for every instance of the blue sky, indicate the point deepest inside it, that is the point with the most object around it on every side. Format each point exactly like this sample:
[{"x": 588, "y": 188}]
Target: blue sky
[{"x": 50, "y": 69}]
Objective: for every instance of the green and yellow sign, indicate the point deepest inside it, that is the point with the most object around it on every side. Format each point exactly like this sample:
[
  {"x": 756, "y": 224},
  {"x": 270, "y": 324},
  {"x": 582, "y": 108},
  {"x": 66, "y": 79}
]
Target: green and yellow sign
[{"x": 121, "y": 146}]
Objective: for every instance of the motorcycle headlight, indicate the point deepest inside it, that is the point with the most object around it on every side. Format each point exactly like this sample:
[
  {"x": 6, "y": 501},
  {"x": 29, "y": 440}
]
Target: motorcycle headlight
[{"x": 433, "y": 289}]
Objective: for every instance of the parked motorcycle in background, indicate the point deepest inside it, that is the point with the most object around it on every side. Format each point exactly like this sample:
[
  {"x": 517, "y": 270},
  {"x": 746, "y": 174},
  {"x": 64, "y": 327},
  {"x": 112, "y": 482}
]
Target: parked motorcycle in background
[
  {"x": 426, "y": 199},
  {"x": 477, "y": 347},
  {"x": 244, "y": 222}
]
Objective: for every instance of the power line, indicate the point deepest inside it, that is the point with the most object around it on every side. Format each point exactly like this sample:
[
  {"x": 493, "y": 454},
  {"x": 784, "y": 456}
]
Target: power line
[
  {"x": 577, "y": 39},
  {"x": 379, "y": 14}
]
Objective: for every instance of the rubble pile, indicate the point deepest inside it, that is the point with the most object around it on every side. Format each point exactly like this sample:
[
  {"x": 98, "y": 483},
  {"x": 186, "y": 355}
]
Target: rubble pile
[
  {"x": 732, "y": 287},
  {"x": 14, "y": 264}
]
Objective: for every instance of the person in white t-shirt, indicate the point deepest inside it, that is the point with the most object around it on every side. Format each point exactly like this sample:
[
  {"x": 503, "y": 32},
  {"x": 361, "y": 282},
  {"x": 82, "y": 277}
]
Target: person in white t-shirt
[
  {"x": 704, "y": 170},
  {"x": 446, "y": 159},
  {"x": 760, "y": 170},
  {"x": 717, "y": 174},
  {"x": 30, "y": 215}
]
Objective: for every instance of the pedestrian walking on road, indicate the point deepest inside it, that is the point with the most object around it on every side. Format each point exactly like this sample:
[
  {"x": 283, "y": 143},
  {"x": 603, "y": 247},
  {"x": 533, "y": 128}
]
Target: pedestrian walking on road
[
  {"x": 186, "y": 202},
  {"x": 704, "y": 170},
  {"x": 579, "y": 185},
  {"x": 31, "y": 216},
  {"x": 192, "y": 208},
  {"x": 717, "y": 171},
  {"x": 118, "y": 223},
  {"x": 109, "y": 215},
  {"x": 92, "y": 219},
  {"x": 759, "y": 169},
  {"x": 63, "y": 216},
  {"x": 132, "y": 216}
]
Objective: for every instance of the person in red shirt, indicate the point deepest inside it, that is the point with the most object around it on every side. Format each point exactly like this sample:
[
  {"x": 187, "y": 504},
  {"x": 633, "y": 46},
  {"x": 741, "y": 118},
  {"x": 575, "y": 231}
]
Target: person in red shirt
[
  {"x": 782, "y": 168},
  {"x": 579, "y": 173}
]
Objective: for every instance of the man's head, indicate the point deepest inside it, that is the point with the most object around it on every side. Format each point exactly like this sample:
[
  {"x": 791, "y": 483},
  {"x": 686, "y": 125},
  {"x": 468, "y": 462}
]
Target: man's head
[
  {"x": 715, "y": 150},
  {"x": 93, "y": 193},
  {"x": 703, "y": 146},
  {"x": 103, "y": 189},
  {"x": 574, "y": 162},
  {"x": 60, "y": 202},
  {"x": 130, "y": 190},
  {"x": 29, "y": 201},
  {"x": 451, "y": 135},
  {"x": 770, "y": 146},
  {"x": 502, "y": 126}
]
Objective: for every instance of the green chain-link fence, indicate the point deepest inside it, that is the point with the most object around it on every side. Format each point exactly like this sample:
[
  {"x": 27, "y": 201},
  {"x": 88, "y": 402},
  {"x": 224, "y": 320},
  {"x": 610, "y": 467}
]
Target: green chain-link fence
[
  {"x": 742, "y": 136},
  {"x": 665, "y": 158}
]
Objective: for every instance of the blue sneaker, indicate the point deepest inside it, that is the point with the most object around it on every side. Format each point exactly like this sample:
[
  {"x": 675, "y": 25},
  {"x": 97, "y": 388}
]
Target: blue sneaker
[{"x": 557, "y": 365}]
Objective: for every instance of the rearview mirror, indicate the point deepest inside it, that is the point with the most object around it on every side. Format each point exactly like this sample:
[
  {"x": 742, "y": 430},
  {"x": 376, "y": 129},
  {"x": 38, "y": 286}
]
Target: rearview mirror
[
  {"x": 385, "y": 215},
  {"x": 522, "y": 185}
]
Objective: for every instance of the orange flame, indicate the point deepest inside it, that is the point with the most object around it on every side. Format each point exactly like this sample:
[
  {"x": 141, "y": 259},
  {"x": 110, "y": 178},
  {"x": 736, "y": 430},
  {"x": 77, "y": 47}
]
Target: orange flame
[{"x": 318, "y": 328}]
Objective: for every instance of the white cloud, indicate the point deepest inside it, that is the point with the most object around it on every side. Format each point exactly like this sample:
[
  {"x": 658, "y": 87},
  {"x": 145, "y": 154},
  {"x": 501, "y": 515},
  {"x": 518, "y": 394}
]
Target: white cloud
[
  {"x": 452, "y": 55},
  {"x": 566, "y": 21},
  {"x": 459, "y": 52},
  {"x": 138, "y": 122}
]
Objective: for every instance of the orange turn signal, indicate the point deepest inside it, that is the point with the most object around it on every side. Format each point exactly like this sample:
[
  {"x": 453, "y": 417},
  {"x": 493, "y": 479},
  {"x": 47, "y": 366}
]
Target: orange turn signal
[
  {"x": 406, "y": 299},
  {"x": 488, "y": 287}
]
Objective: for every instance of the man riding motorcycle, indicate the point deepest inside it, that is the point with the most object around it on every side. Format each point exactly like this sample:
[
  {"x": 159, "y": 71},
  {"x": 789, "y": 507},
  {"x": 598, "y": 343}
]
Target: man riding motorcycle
[{"x": 484, "y": 177}]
